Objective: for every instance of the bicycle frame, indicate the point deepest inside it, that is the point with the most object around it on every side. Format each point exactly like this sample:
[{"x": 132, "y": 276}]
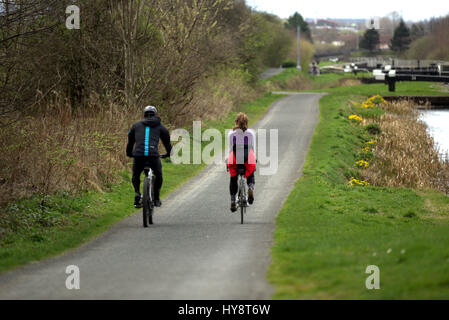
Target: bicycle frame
[
  {"x": 149, "y": 176},
  {"x": 148, "y": 201}
]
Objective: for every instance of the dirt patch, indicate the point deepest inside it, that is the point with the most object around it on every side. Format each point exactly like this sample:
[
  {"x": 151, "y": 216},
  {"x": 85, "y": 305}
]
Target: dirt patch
[
  {"x": 435, "y": 211},
  {"x": 349, "y": 82}
]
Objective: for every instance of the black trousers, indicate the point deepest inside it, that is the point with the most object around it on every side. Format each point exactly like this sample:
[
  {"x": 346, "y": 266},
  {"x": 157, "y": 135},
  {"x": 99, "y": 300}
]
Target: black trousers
[
  {"x": 155, "y": 164},
  {"x": 233, "y": 185}
]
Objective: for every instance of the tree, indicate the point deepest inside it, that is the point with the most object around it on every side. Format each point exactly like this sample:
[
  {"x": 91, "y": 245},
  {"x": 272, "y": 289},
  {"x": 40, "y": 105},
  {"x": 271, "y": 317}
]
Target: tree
[
  {"x": 417, "y": 31},
  {"x": 401, "y": 38},
  {"x": 370, "y": 40},
  {"x": 297, "y": 19}
]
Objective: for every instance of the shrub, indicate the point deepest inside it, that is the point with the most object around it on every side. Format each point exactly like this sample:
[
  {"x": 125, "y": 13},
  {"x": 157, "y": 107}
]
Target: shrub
[
  {"x": 289, "y": 64},
  {"x": 373, "y": 128},
  {"x": 410, "y": 214}
]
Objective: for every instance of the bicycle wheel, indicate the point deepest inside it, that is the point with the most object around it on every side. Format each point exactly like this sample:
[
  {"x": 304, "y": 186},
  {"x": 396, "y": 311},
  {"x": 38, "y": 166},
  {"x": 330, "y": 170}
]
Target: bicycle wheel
[
  {"x": 146, "y": 203},
  {"x": 242, "y": 199},
  {"x": 151, "y": 205}
]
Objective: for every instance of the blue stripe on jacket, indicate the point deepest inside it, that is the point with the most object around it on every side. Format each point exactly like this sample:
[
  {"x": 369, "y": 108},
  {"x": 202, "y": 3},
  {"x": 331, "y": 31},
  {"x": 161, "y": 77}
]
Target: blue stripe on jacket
[{"x": 147, "y": 141}]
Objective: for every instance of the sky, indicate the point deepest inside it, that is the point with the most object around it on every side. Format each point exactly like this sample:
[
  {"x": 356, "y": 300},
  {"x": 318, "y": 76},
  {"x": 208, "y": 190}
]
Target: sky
[{"x": 410, "y": 9}]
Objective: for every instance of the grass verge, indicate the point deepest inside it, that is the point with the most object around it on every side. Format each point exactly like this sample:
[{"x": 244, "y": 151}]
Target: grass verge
[
  {"x": 292, "y": 79},
  {"x": 329, "y": 232},
  {"x": 61, "y": 222}
]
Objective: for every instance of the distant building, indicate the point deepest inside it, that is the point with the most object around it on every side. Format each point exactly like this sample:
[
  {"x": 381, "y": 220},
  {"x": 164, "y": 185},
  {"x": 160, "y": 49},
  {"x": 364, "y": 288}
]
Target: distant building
[
  {"x": 325, "y": 23},
  {"x": 338, "y": 43},
  {"x": 384, "y": 41}
]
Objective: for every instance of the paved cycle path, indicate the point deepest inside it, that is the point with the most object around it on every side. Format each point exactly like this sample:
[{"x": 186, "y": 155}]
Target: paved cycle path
[
  {"x": 270, "y": 73},
  {"x": 197, "y": 248}
]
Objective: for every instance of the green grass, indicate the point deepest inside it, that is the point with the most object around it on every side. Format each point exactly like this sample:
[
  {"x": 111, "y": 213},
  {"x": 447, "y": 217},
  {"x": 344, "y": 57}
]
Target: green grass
[
  {"x": 330, "y": 63},
  {"x": 284, "y": 75},
  {"x": 315, "y": 82},
  {"x": 57, "y": 223},
  {"x": 329, "y": 232},
  {"x": 326, "y": 83},
  {"x": 416, "y": 88}
]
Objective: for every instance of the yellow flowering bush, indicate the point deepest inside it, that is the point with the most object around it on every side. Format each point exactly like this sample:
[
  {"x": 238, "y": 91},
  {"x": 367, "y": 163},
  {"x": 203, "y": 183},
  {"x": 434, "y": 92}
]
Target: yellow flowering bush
[
  {"x": 376, "y": 100},
  {"x": 355, "y": 182},
  {"x": 368, "y": 104},
  {"x": 372, "y": 102},
  {"x": 362, "y": 163},
  {"x": 355, "y": 117}
]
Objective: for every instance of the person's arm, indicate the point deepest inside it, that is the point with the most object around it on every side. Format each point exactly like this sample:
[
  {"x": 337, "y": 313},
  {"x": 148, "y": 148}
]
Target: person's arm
[
  {"x": 165, "y": 137},
  {"x": 131, "y": 142},
  {"x": 253, "y": 140},
  {"x": 230, "y": 141}
]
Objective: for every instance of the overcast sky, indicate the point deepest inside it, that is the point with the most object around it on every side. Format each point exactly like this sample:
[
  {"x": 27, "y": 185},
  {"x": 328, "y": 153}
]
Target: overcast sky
[{"x": 410, "y": 9}]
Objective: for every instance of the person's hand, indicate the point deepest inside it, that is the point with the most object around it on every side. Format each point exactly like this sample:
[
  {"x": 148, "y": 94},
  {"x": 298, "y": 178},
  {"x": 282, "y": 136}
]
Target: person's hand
[{"x": 165, "y": 156}]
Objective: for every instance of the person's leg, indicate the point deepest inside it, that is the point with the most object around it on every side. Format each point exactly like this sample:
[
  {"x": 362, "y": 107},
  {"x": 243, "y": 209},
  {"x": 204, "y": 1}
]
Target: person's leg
[
  {"x": 138, "y": 166},
  {"x": 251, "y": 182},
  {"x": 233, "y": 188},
  {"x": 156, "y": 166},
  {"x": 233, "y": 185}
]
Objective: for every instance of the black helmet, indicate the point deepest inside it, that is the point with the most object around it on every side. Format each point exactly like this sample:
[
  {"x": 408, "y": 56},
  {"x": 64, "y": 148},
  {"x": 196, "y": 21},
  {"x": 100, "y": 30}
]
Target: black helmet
[{"x": 149, "y": 111}]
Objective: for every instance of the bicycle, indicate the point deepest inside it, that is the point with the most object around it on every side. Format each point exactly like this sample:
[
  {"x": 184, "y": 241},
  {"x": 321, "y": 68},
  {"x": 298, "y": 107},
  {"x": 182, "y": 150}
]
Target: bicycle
[
  {"x": 242, "y": 202},
  {"x": 148, "y": 195}
]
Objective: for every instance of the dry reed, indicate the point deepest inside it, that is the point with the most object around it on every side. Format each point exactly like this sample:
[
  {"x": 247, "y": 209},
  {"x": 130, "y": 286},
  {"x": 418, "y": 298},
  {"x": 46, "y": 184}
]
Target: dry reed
[
  {"x": 405, "y": 154},
  {"x": 62, "y": 150}
]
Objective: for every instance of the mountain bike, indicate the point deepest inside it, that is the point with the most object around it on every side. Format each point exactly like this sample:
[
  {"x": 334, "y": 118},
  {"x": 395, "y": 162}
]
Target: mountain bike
[
  {"x": 148, "y": 195},
  {"x": 242, "y": 201}
]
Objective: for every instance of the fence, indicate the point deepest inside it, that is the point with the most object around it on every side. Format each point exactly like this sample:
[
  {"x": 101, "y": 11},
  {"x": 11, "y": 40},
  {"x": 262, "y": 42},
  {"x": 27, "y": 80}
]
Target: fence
[{"x": 373, "y": 62}]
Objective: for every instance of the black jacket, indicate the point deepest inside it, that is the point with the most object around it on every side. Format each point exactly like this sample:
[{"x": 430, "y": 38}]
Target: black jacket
[{"x": 145, "y": 136}]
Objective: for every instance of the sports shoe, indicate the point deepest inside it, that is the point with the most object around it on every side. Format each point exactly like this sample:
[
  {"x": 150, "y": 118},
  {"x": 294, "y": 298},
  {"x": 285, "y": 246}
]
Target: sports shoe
[
  {"x": 137, "y": 202},
  {"x": 157, "y": 203},
  {"x": 250, "y": 196}
]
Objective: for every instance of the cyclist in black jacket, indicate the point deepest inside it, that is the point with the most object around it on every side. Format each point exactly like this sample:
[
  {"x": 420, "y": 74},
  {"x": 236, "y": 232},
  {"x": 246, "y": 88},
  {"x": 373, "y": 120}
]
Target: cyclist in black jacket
[{"x": 143, "y": 143}]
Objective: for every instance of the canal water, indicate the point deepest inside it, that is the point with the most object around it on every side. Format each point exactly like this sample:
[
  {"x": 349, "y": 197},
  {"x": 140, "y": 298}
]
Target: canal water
[{"x": 438, "y": 123}]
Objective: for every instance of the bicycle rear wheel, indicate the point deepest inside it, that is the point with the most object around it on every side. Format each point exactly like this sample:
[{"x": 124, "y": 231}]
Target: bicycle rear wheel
[
  {"x": 150, "y": 216},
  {"x": 147, "y": 210},
  {"x": 242, "y": 200}
]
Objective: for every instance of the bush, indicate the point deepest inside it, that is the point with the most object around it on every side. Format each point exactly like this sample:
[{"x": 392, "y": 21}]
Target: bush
[
  {"x": 289, "y": 64},
  {"x": 373, "y": 128}
]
